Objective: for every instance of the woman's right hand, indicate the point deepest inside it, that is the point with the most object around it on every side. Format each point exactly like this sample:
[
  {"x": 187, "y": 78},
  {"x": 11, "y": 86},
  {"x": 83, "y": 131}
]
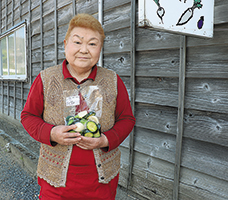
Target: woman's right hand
[{"x": 60, "y": 135}]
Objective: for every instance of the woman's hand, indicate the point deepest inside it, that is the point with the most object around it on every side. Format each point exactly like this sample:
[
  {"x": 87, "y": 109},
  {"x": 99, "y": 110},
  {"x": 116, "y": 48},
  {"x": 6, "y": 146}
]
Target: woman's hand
[
  {"x": 93, "y": 143},
  {"x": 61, "y": 135}
]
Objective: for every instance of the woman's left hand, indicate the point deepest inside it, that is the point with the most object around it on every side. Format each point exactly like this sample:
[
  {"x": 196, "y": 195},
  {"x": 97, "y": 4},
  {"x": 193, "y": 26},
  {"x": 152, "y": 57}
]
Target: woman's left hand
[{"x": 93, "y": 143}]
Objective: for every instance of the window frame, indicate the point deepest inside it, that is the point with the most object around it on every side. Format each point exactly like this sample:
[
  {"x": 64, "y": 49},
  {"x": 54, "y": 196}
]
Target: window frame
[{"x": 5, "y": 34}]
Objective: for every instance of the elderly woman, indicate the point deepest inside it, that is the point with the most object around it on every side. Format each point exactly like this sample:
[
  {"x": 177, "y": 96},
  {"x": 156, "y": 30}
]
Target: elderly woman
[{"x": 72, "y": 166}]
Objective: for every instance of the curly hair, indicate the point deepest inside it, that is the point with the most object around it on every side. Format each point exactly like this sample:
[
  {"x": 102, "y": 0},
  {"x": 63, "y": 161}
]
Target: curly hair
[{"x": 85, "y": 21}]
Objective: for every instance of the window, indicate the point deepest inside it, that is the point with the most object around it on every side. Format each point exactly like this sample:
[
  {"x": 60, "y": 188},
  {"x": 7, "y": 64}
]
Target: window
[{"x": 13, "y": 53}]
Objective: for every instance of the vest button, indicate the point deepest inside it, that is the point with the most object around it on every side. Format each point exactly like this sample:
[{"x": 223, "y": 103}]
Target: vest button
[
  {"x": 99, "y": 165},
  {"x": 78, "y": 86}
]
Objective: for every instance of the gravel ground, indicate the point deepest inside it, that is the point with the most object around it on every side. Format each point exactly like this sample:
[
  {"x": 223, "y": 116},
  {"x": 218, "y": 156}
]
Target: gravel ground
[{"x": 15, "y": 183}]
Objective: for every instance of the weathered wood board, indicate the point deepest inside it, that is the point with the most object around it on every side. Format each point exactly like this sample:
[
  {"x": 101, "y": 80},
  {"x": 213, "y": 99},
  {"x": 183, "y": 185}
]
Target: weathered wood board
[{"x": 203, "y": 173}]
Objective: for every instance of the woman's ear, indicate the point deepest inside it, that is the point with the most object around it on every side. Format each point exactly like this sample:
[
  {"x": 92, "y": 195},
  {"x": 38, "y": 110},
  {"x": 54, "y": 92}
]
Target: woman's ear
[{"x": 65, "y": 43}]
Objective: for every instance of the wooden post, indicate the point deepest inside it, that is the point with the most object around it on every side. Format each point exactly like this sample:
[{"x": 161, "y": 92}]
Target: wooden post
[
  {"x": 14, "y": 100},
  {"x": 2, "y": 97},
  {"x": 41, "y": 35},
  {"x": 29, "y": 46},
  {"x": 56, "y": 33},
  {"x": 100, "y": 19},
  {"x": 1, "y": 59},
  {"x": 180, "y": 116},
  {"x": 131, "y": 142},
  {"x": 15, "y": 63},
  {"x": 74, "y": 8},
  {"x": 6, "y": 17}
]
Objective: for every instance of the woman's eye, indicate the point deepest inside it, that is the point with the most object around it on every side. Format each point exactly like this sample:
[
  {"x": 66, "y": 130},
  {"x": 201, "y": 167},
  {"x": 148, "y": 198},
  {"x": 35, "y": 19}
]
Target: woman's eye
[
  {"x": 92, "y": 44},
  {"x": 76, "y": 42}
]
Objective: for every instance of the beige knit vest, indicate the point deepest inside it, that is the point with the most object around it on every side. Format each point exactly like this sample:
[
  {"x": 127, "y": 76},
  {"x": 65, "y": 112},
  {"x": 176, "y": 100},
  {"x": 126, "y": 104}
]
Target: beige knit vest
[{"x": 100, "y": 96}]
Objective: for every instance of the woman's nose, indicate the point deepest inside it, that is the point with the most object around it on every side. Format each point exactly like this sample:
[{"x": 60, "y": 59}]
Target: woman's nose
[{"x": 83, "y": 48}]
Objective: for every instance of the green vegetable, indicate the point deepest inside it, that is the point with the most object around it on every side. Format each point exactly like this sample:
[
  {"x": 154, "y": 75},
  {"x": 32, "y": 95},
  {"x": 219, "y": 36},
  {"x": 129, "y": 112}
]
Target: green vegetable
[
  {"x": 88, "y": 135},
  {"x": 97, "y": 134},
  {"x": 87, "y": 124},
  {"x": 70, "y": 120},
  {"x": 83, "y": 121},
  {"x": 91, "y": 126},
  {"x": 92, "y": 113}
]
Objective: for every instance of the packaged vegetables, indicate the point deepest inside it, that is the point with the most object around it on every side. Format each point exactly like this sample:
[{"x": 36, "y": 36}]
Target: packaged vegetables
[{"x": 87, "y": 124}]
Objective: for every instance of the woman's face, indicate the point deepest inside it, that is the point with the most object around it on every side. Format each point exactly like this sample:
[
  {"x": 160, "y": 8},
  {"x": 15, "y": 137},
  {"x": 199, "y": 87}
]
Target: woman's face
[{"x": 82, "y": 48}]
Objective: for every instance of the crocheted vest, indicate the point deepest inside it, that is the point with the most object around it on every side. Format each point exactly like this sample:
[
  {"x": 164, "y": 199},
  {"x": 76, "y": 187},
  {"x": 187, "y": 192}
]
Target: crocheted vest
[{"x": 100, "y": 96}]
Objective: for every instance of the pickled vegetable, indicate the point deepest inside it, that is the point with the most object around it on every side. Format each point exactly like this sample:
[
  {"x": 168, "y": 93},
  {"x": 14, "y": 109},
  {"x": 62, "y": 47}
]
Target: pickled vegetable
[
  {"x": 97, "y": 134},
  {"x": 92, "y": 113},
  {"x": 87, "y": 124},
  {"x": 94, "y": 119},
  {"x": 80, "y": 127},
  {"x": 91, "y": 126}
]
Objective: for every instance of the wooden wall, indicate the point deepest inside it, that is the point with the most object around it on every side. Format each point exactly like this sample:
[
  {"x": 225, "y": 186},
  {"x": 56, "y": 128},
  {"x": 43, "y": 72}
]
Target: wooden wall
[{"x": 204, "y": 160}]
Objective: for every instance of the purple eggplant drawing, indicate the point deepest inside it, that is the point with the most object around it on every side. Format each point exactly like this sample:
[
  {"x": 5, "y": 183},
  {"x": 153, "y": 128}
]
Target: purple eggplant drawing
[
  {"x": 200, "y": 22},
  {"x": 188, "y": 13},
  {"x": 160, "y": 10}
]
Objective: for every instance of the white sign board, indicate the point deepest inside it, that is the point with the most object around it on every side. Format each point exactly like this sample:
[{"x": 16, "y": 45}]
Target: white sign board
[{"x": 189, "y": 17}]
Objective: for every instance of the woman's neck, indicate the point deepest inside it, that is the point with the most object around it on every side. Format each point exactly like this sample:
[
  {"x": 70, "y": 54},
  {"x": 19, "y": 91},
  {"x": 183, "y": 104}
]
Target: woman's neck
[{"x": 79, "y": 74}]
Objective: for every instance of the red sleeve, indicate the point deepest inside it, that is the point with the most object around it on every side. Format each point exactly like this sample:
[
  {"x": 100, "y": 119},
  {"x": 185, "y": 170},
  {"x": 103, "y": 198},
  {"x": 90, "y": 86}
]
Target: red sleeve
[
  {"x": 31, "y": 116},
  {"x": 125, "y": 120}
]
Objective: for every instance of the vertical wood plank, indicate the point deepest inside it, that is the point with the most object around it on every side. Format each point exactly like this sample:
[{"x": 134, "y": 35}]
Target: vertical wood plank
[
  {"x": 2, "y": 80},
  {"x": 12, "y": 12},
  {"x": 8, "y": 99},
  {"x": 22, "y": 84},
  {"x": 2, "y": 96},
  {"x": 22, "y": 95},
  {"x": 180, "y": 117},
  {"x": 20, "y": 9},
  {"x": 131, "y": 142},
  {"x": 74, "y": 7},
  {"x": 56, "y": 33},
  {"x": 29, "y": 73},
  {"x": 100, "y": 19},
  {"x": 41, "y": 35},
  {"x": 6, "y": 18},
  {"x": 14, "y": 100},
  {"x": 15, "y": 63}
]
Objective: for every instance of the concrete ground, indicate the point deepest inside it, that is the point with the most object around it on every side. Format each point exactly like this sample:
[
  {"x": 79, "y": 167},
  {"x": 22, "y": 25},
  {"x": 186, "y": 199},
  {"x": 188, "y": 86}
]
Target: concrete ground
[{"x": 23, "y": 151}]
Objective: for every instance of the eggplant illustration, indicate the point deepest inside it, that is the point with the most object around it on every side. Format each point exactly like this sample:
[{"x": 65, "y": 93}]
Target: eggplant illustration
[
  {"x": 188, "y": 13},
  {"x": 200, "y": 22}
]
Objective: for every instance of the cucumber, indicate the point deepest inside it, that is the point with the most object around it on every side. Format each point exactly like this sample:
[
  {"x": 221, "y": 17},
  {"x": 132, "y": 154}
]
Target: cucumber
[
  {"x": 70, "y": 120},
  {"x": 89, "y": 134},
  {"x": 72, "y": 131},
  {"x": 83, "y": 121},
  {"x": 97, "y": 134},
  {"x": 91, "y": 113},
  {"x": 91, "y": 126}
]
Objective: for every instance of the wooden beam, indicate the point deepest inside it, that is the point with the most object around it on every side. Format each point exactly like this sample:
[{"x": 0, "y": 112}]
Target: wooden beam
[
  {"x": 15, "y": 63},
  {"x": 56, "y": 33},
  {"x": 2, "y": 97},
  {"x": 100, "y": 18},
  {"x": 41, "y": 35},
  {"x": 74, "y": 7},
  {"x": 180, "y": 117},
  {"x": 132, "y": 82}
]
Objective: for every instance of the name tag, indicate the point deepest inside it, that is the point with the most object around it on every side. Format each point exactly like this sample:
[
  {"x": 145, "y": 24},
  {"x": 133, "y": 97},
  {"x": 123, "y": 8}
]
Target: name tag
[{"x": 72, "y": 101}]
